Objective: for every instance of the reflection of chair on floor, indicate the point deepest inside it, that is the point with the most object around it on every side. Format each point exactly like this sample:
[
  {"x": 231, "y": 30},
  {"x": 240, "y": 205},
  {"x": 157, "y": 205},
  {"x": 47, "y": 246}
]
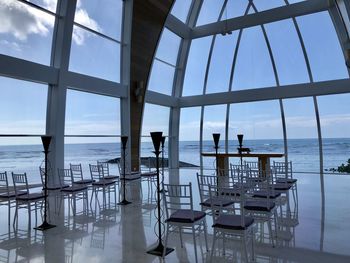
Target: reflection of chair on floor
[
  {"x": 180, "y": 214},
  {"x": 27, "y": 200},
  {"x": 231, "y": 221},
  {"x": 29, "y": 243},
  {"x": 73, "y": 193},
  {"x": 100, "y": 184},
  {"x": 77, "y": 175}
]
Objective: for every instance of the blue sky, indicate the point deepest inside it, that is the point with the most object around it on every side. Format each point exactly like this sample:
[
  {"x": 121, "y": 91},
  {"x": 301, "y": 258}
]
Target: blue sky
[{"x": 27, "y": 33}]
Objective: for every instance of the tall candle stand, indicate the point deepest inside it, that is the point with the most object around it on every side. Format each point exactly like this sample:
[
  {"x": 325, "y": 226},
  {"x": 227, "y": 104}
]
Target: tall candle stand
[
  {"x": 46, "y": 140},
  {"x": 124, "y": 140},
  {"x": 240, "y": 141},
  {"x": 162, "y": 180},
  {"x": 159, "y": 249},
  {"x": 216, "y": 137}
]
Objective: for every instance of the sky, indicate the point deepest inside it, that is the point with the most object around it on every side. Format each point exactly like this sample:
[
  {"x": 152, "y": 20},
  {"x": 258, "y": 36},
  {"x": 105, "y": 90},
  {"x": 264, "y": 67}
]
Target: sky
[{"x": 27, "y": 33}]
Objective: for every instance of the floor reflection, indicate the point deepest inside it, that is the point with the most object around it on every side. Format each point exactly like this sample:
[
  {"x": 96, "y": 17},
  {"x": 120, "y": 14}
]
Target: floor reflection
[{"x": 99, "y": 230}]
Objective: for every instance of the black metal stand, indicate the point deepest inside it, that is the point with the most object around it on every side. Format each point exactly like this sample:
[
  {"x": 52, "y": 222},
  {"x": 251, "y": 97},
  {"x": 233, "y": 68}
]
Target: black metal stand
[
  {"x": 216, "y": 137},
  {"x": 159, "y": 250},
  {"x": 240, "y": 141},
  {"x": 124, "y": 201},
  {"x": 45, "y": 225},
  {"x": 162, "y": 181}
]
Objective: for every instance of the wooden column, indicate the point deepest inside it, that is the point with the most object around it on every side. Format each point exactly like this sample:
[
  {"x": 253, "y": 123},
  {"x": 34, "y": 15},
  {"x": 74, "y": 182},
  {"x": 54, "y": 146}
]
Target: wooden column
[{"x": 147, "y": 24}]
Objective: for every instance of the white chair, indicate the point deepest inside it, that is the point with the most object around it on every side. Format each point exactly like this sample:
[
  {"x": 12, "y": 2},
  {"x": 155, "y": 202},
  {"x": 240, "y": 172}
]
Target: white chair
[
  {"x": 77, "y": 175},
  {"x": 180, "y": 214},
  {"x": 231, "y": 221},
  {"x": 284, "y": 175},
  {"x": 72, "y": 193},
  {"x": 260, "y": 200},
  {"x": 106, "y": 172},
  {"x": 206, "y": 201},
  {"x": 28, "y": 200}
]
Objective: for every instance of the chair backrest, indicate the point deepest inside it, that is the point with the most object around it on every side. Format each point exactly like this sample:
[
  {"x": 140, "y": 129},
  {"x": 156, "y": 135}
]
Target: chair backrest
[
  {"x": 237, "y": 171},
  {"x": 4, "y": 183},
  {"x": 223, "y": 194},
  {"x": 177, "y": 197},
  {"x": 261, "y": 181},
  {"x": 65, "y": 176},
  {"x": 105, "y": 167},
  {"x": 20, "y": 179},
  {"x": 42, "y": 175},
  {"x": 283, "y": 169},
  {"x": 76, "y": 171},
  {"x": 96, "y": 171},
  {"x": 252, "y": 165},
  {"x": 204, "y": 181}
]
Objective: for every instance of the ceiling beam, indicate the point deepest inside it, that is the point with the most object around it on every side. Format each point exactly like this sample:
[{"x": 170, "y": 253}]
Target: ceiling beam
[
  {"x": 264, "y": 17},
  {"x": 271, "y": 93}
]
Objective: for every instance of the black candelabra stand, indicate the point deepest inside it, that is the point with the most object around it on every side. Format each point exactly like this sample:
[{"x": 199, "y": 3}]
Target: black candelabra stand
[
  {"x": 46, "y": 140},
  {"x": 216, "y": 137},
  {"x": 162, "y": 181},
  {"x": 159, "y": 250},
  {"x": 240, "y": 141},
  {"x": 124, "y": 140}
]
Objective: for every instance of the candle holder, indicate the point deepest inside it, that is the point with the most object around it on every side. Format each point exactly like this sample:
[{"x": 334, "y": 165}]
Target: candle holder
[
  {"x": 216, "y": 137},
  {"x": 162, "y": 181},
  {"x": 46, "y": 140},
  {"x": 124, "y": 140},
  {"x": 159, "y": 250},
  {"x": 240, "y": 141}
]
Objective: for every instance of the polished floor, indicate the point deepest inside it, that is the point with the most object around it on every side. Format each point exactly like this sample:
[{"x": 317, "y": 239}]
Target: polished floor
[{"x": 317, "y": 230}]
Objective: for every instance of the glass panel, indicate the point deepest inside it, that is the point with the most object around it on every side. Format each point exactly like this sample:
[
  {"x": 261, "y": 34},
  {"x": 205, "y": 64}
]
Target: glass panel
[
  {"x": 262, "y": 5},
  {"x": 189, "y": 135},
  {"x": 94, "y": 55},
  {"x": 196, "y": 66},
  {"x": 90, "y": 150},
  {"x": 168, "y": 47},
  {"x": 103, "y": 16},
  {"x": 209, "y": 12},
  {"x": 253, "y": 66},
  {"x": 322, "y": 46},
  {"x": 221, "y": 63},
  {"x": 261, "y": 125},
  {"x": 22, "y": 107},
  {"x": 91, "y": 114},
  {"x": 335, "y": 124},
  {"x": 47, "y": 4},
  {"x": 287, "y": 52},
  {"x": 180, "y": 9},
  {"x": 19, "y": 155},
  {"x": 155, "y": 118},
  {"x": 234, "y": 8},
  {"x": 162, "y": 77},
  {"x": 303, "y": 148},
  {"x": 25, "y": 32},
  {"x": 214, "y": 121}
]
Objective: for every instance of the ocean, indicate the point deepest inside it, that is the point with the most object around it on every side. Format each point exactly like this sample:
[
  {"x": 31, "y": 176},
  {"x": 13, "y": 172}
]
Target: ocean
[{"x": 304, "y": 153}]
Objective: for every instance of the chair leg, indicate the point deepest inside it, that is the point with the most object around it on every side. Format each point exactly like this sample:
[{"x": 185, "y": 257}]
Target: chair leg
[
  {"x": 213, "y": 246},
  {"x": 270, "y": 232},
  {"x": 245, "y": 247},
  {"x": 206, "y": 235},
  {"x": 252, "y": 240},
  {"x": 180, "y": 231},
  {"x": 224, "y": 243},
  {"x": 194, "y": 243},
  {"x": 166, "y": 240}
]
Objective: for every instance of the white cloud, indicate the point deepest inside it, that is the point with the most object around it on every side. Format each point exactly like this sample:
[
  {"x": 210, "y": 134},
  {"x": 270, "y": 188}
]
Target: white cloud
[{"x": 21, "y": 21}]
